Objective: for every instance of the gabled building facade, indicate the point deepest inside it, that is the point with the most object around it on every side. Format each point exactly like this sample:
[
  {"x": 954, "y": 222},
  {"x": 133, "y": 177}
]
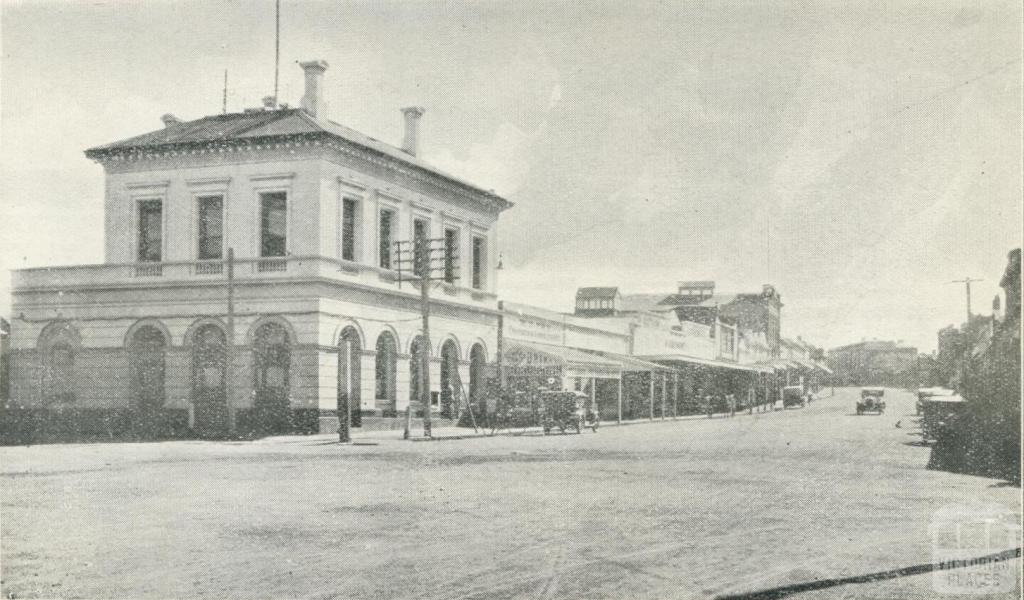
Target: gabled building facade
[{"x": 309, "y": 212}]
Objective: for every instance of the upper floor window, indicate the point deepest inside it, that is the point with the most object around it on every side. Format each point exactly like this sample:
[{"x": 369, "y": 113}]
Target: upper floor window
[
  {"x": 211, "y": 227},
  {"x": 451, "y": 254},
  {"x": 386, "y": 225},
  {"x": 273, "y": 224},
  {"x": 479, "y": 262},
  {"x": 348, "y": 229},
  {"x": 150, "y": 231}
]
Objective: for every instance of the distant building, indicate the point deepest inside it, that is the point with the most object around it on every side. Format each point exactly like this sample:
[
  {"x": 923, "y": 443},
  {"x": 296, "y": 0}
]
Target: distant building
[
  {"x": 598, "y": 301},
  {"x": 754, "y": 315},
  {"x": 874, "y": 363}
]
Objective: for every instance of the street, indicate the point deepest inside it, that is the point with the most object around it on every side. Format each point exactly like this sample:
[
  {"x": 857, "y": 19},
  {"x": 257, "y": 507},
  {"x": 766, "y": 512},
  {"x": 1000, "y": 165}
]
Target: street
[{"x": 690, "y": 509}]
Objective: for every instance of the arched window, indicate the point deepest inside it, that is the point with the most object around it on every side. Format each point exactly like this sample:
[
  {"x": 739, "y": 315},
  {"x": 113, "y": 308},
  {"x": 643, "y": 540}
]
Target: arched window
[
  {"x": 59, "y": 344},
  {"x": 209, "y": 370},
  {"x": 451, "y": 383},
  {"x": 271, "y": 356},
  {"x": 386, "y": 369},
  {"x": 349, "y": 376},
  {"x": 146, "y": 364},
  {"x": 271, "y": 364},
  {"x": 477, "y": 364}
]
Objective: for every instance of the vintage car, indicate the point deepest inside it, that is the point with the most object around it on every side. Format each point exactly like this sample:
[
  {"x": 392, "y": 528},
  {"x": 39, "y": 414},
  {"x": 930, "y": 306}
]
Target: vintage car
[
  {"x": 939, "y": 412},
  {"x": 793, "y": 395},
  {"x": 567, "y": 410},
  {"x": 871, "y": 401},
  {"x": 924, "y": 393}
]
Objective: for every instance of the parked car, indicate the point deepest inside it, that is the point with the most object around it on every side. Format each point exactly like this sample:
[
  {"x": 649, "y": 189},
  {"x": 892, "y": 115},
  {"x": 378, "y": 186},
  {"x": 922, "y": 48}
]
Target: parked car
[
  {"x": 871, "y": 400},
  {"x": 793, "y": 395},
  {"x": 567, "y": 410},
  {"x": 924, "y": 393},
  {"x": 940, "y": 412}
]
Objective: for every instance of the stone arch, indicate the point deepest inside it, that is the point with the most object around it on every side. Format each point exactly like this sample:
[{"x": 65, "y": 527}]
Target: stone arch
[
  {"x": 354, "y": 326},
  {"x": 59, "y": 331},
  {"x": 199, "y": 324},
  {"x": 450, "y": 338},
  {"x": 483, "y": 348},
  {"x": 156, "y": 323},
  {"x": 250, "y": 336},
  {"x": 390, "y": 330}
]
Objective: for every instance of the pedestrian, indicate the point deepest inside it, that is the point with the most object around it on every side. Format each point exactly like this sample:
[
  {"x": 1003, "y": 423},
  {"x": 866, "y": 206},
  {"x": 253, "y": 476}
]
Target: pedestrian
[{"x": 731, "y": 399}]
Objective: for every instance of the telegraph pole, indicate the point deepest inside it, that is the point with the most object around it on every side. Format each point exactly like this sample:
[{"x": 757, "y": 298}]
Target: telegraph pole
[
  {"x": 229, "y": 351},
  {"x": 420, "y": 254},
  {"x": 967, "y": 283}
]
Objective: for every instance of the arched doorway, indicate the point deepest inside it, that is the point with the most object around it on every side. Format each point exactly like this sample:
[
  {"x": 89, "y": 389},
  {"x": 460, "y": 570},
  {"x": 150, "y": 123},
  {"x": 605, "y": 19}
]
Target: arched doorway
[
  {"x": 451, "y": 383},
  {"x": 349, "y": 381},
  {"x": 416, "y": 351},
  {"x": 477, "y": 365},
  {"x": 58, "y": 346},
  {"x": 146, "y": 350},
  {"x": 209, "y": 373},
  {"x": 271, "y": 362},
  {"x": 385, "y": 372}
]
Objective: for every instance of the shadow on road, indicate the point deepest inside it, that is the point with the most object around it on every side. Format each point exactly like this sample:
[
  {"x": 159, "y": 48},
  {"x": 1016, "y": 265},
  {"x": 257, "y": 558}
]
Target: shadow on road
[{"x": 796, "y": 588}]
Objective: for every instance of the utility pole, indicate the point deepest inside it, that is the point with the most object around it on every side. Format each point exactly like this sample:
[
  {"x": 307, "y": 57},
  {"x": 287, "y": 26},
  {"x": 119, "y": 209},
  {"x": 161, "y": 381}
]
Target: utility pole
[
  {"x": 423, "y": 257},
  {"x": 967, "y": 283},
  {"x": 229, "y": 351},
  {"x": 426, "y": 256},
  {"x": 345, "y": 413}
]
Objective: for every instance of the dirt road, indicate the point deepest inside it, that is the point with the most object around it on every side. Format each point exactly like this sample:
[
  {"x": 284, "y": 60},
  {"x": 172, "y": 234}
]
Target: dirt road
[{"x": 694, "y": 509}]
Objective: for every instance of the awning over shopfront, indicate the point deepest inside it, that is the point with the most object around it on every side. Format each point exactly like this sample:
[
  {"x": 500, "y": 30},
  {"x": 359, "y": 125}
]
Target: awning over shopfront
[
  {"x": 533, "y": 355},
  {"x": 823, "y": 367},
  {"x": 679, "y": 360},
  {"x": 632, "y": 364}
]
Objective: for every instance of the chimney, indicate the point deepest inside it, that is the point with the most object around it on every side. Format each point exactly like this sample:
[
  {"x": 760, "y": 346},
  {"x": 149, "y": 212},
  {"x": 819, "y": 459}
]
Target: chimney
[
  {"x": 313, "y": 100},
  {"x": 170, "y": 120},
  {"x": 411, "y": 143}
]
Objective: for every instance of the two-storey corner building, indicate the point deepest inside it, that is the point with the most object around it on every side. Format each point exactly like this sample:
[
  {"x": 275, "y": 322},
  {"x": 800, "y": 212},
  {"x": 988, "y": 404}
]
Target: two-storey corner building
[{"x": 310, "y": 210}]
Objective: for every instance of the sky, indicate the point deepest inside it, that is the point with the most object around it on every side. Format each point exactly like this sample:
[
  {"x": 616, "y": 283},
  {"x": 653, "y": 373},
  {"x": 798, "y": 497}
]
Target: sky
[{"x": 858, "y": 156}]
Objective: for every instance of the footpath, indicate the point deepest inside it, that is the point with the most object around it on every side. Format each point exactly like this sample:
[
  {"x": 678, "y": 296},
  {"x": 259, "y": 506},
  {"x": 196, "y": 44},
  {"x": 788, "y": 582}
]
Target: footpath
[{"x": 450, "y": 433}]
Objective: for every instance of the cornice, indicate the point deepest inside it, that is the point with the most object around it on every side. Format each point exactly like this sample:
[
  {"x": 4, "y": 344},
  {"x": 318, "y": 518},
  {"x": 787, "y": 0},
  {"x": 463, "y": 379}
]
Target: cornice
[{"x": 114, "y": 156}]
